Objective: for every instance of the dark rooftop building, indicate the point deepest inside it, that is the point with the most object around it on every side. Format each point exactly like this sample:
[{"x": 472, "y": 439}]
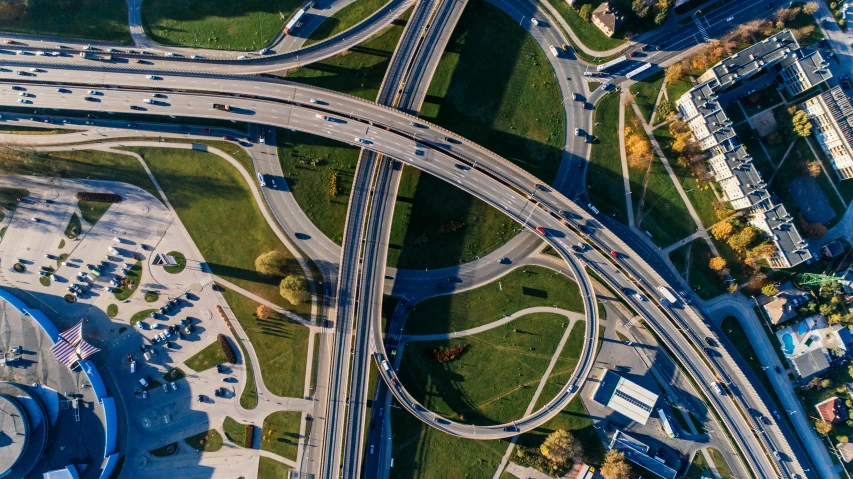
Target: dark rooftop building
[
  {"x": 637, "y": 452},
  {"x": 751, "y": 60},
  {"x": 811, "y": 364},
  {"x": 832, "y": 118}
]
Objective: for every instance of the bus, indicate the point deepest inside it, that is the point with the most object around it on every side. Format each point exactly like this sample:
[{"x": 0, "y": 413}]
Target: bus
[
  {"x": 612, "y": 63},
  {"x": 667, "y": 425},
  {"x": 642, "y": 70}
]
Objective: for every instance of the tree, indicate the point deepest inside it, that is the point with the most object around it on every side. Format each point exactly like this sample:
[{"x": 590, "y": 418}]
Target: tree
[
  {"x": 294, "y": 288},
  {"x": 263, "y": 311},
  {"x": 717, "y": 263},
  {"x": 784, "y": 15},
  {"x": 271, "y": 263},
  {"x": 674, "y": 73},
  {"x": 813, "y": 169},
  {"x": 826, "y": 309},
  {"x": 640, "y": 8},
  {"x": 822, "y": 427},
  {"x": 813, "y": 230},
  {"x": 561, "y": 447},
  {"x": 586, "y": 12},
  {"x": 764, "y": 250},
  {"x": 660, "y": 16},
  {"x": 842, "y": 439},
  {"x": 615, "y": 466},
  {"x": 801, "y": 122},
  {"x": 770, "y": 290},
  {"x": 740, "y": 241},
  {"x": 722, "y": 230}
]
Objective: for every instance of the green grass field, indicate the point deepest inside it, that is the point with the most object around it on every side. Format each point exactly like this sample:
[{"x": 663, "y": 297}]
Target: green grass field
[
  {"x": 494, "y": 377},
  {"x": 646, "y": 93},
  {"x": 207, "y": 441},
  {"x": 93, "y": 210},
  {"x": 223, "y": 25},
  {"x": 140, "y": 316},
  {"x": 517, "y": 113},
  {"x": 358, "y": 71},
  {"x": 219, "y": 212},
  {"x": 234, "y": 431},
  {"x": 309, "y": 163},
  {"x": 349, "y": 16},
  {"x": 701, "y": 278},
  {"x": 112, "y": 310},
  {"x": 280, "y": 343},
  {"x": 9, "y": 199},
  {"x": 272, "y": 469},
  {"x": 701, "y": 196},
  {"x": 436, "y": 224},
  {"x": 698, "y": 467},
  {"x": 281, "y": 433},
  {"x": 74, "y": 227},
  {"x": 589, "y": 34},
  {"x": 661, "y": 205},
  {"x": 604, "y": 172},
  {"x": 91, "y": 164},
  {"x": 208, "y": 357},
  {"x": 94, "y": 19},
  {"x": 737, "y": 336},
  {"x": 522, "y": 288},
  {"x": 180, "y": 260},
  {"x": 722, "y": 466}
]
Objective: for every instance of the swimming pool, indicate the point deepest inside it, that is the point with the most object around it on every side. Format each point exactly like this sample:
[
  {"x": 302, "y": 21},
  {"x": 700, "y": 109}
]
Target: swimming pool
[{"x": 787, "y": 344}]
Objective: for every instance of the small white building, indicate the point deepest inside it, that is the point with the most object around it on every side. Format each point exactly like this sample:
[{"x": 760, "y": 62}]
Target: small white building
[{"x": 625, "y": 397}]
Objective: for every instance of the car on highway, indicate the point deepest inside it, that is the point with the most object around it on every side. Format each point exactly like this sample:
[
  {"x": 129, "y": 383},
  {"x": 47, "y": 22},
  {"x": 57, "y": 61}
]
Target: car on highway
[
  {"x": 151, "y": 77},
  {"x": 578, "y": 132},
  {"x": 639, "y": 297},
  {"x": 534, "y": 21},
  {"x": 18, "y": 88},
  {"x": 541, "y": 231},
  {"x": 261, "y": 180},
  {"x": 593, "y": 208},
  {"x": 242, "y": 57},
  {"x": 371, "y": 448},
  {"x": 148, "y": 100},
  {"x": 21, "y": 100},
  {"x": 614, "y": 254},
  {"x": 63, "y": 90},
  {"x": 362, "y": 140}
]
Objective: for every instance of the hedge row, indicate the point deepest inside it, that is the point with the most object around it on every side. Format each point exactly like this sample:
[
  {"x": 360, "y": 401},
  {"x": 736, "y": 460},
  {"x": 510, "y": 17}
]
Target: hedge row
[
  {"x": 99, "y": 197},
  {"x": 227, "y": 350},
  {"x": 250, "y": 436}
]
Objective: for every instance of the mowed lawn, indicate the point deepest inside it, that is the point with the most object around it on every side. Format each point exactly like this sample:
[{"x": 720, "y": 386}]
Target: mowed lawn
[
  {"x": 646, "y": 93},
  {"x": 217, "y": 207},
  {"x": 494, "y": 86},
  {"x": 223, "y": 24},
  {"x": 280, "y": 343},
  {"x": 281, "y": 433},
  {"x": 436, "y": 224},
  {"x": 358, "y": 71},
  {"x": 589, "y": 34},
  {"x": 524, "y": 287},
  {"x": 309, "y": 163},
  {"x": 604, "y": 184},
  {"x": 493, "y": 378},
  {"x": 93, "y": 19},
  {"x": 663, "y": 213},
  {"x": 691, "y": 260},
  {"x": 344, "y": 19}
]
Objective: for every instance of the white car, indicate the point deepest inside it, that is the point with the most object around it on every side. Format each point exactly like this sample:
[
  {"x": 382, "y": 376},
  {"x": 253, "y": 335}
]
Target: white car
[
  {"x": 261, "y": 180},
  {"x": 264, "y": 51},
  {"x": 314, "y": 100},
  {"x": 165, "y": 388},
  {"x": 321, "y": 117},
  {"x": 534, "y": 21},
  {"x": 170, "y": 54},
  {"x": 593, "y": 208},
  {"x": 639, "y": 297},
  {"x": 150, "y": 77},
  {"x": 174, "y": 386},
  {"x": 361, "y": 140},
  {"x": 148, "y": 100},
  {"x": 195, "y": 57},
  {"x": 40, "y": 53},
  {"x": 242, "y": 57},
  {"x": 93, "y": 92},
  {"x": 143, "y": 382}
]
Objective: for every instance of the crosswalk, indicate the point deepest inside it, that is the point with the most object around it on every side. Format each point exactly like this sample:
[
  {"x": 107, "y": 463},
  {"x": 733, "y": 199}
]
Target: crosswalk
[{"x": 701, "y": 28}]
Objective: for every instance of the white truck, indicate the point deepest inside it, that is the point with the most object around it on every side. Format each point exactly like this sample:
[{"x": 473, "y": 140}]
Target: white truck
[
  {"x": 667, "y": 294},
  {"x": 554, "y": 51}
]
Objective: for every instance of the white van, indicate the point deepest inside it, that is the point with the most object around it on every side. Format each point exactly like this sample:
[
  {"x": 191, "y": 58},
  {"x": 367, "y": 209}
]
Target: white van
[{"x": 132, "y": 366}]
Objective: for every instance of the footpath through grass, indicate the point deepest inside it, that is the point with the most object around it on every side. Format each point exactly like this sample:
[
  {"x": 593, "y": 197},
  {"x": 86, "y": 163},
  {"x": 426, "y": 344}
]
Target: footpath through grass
[
  {"x": 343, "y": 19},
  {"x": 691, "y": 260},
  {"x": 208, "y": 357},
  {"x": 223, "y": 24},
  {"x": 605, "y": 187},
  {"x": 358, "y": 71},
  {"x": 663, "y": 214},
  {"x": 312, "y": 165},
  {"x": 517, "y": 111},
  {"x": 93, "y": 19},
  {"x": 92, "y": 164},
  {"x": 494, "y": 377},
  {"x": 280, "y": 343},
  {"x": 646, "y": 93},
  {"x": 522, "y": 288},
  {"x": 281, "y": 433},
  {"x": 221, "y": 215}
]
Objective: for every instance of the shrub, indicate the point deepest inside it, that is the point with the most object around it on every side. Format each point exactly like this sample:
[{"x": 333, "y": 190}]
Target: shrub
[
  {"x": 585, "y": 12},
  {"x": 98, "y": 197},
  {"x": 294, "y": 289},
  {"x": 227, "y": 350},
  {"x": 263, "y": 311},
  {"x": 447, "y": 355},
  {"x": 271, "y": 263}
]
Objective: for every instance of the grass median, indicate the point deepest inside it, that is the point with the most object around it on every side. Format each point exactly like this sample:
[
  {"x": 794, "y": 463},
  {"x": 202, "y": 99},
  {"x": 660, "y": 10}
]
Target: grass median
[
  {"x": 32, "y": 130},
  {"x": 97, "y": 20},
  {"x": 280, "y": 433},
  {"x": 358, "y": 71},
  {"x": 208, "y": 357},
  {"x": 691, "y": 260},
  {"x": 222, "y": 25},
  {"x": 605, "y": 186},
  {"x": 272, "y": 469},
  {"x": 93, "y": 210},
  {"x": 590, "y": 35},
  {"x": 344, "y": 19},
  {"x": 219, "y": 211},
  {"x": 280, "y": 344},
  {"x": 522, "y": 288}
]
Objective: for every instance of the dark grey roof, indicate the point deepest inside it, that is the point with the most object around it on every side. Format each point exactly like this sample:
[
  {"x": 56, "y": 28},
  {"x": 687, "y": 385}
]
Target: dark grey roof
[
  {"x": 749, "y": 179},
  {"x": 811, "y": 363},
  {"x": 815, "y": 68},
  {"x": 635, "y": 451},
  {"x": 755, "y": 58},
  {"x": 709, "y": 108},
  {"x": 785, "y": 234}
]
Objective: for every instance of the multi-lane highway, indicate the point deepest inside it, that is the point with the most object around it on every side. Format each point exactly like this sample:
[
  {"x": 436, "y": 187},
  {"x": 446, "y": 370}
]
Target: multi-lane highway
[{"x": 392, "y": 134}]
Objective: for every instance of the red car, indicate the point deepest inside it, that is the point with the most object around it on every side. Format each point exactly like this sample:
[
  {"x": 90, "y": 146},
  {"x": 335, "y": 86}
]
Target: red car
[
  {"x": 614, "y": 254},
  {"x": 541, "y": 231},
  {"x": 205, "y": 130}
]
